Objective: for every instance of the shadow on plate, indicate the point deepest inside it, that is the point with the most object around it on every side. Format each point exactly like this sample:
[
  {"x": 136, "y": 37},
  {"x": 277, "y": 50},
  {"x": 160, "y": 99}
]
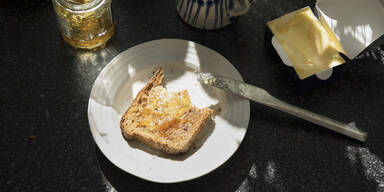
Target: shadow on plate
[
  {"x": 200, "y": 139},
  {"x": 227, "y": 177}
]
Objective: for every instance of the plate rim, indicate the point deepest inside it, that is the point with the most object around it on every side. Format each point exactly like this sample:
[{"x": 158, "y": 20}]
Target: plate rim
[{"x": 105, "y": 151}]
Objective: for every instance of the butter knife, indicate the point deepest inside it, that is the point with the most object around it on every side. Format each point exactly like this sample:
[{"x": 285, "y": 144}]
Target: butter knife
[{"x": 261, "y": 96}]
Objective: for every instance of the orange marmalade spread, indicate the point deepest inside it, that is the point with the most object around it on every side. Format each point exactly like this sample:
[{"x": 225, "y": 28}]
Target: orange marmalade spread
[{"x": 164, "y": 109}]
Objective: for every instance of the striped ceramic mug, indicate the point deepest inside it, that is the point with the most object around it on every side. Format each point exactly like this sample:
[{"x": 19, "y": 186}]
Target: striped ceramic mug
[{"x": 211, "y": 14}]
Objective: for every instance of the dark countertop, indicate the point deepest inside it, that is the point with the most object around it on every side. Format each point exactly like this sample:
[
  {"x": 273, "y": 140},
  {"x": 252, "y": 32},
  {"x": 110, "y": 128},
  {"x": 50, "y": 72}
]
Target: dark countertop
[{"x": 46, "y": 144}]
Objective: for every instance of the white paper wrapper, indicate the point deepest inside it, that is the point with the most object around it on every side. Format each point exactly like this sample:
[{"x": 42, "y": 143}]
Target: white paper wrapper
[{"x": 356, "y": 23}]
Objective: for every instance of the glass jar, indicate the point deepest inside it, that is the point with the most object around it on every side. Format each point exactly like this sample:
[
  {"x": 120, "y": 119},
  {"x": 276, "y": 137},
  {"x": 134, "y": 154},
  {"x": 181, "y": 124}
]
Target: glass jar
[{"x": 85, "y": 23}]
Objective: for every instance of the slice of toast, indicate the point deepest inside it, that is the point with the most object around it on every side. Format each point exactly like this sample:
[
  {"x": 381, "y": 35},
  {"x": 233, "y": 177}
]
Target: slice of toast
[{"x": 164, "y": 120}]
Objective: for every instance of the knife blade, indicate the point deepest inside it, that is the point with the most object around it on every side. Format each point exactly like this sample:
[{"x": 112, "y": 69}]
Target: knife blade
[{"x": 262, "y": 96}]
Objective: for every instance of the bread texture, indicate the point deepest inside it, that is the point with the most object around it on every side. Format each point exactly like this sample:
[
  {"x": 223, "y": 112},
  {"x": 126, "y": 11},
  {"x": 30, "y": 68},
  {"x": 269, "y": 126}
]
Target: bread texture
[{"x": 164, "y": 120}]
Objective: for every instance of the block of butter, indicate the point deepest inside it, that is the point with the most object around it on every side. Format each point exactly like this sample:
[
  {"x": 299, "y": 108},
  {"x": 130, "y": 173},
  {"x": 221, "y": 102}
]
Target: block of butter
[{"x": 309, "y": 44}]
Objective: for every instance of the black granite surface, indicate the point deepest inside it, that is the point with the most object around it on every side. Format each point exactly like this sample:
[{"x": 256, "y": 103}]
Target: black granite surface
[{"x": 46, "y": 144}]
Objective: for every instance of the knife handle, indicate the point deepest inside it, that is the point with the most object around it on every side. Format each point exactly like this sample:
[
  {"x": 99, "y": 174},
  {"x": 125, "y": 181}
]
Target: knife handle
[{"x": 321, "y": 120}]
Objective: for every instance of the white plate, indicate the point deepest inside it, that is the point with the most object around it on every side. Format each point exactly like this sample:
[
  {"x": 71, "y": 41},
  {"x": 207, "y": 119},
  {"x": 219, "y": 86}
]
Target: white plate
[{"x": 127, "y": 73}]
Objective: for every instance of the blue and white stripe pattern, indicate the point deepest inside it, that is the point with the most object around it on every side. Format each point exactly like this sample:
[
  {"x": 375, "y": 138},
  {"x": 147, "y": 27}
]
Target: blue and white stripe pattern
[{"x": 206, "y": 14}]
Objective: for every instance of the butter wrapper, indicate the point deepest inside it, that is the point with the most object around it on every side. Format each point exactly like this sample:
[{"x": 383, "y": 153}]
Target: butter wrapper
[{"x": 355, "y": 23}]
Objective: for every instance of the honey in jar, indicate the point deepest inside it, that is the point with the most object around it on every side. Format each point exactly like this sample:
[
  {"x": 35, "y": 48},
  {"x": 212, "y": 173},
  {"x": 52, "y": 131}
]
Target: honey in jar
[{"x": 85, "y": 23}]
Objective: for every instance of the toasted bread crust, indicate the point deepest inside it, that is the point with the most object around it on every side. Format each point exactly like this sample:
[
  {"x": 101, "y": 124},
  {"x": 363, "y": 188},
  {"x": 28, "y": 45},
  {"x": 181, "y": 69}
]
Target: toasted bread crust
[
  {"x": 156, "y": 80},
  {"x": 172, "y": 141}
]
